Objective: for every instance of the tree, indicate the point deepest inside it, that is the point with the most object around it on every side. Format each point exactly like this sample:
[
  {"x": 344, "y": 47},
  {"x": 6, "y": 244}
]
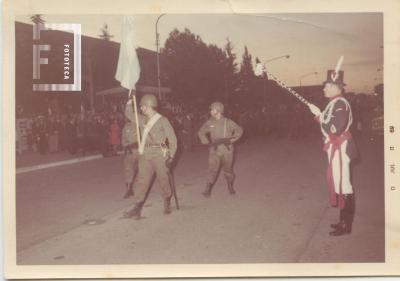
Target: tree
[
  {"x": 195, "y": 71},
  {"x": 37, "y": 19},
  {"x": 246, "y": 67},
  {"x": 105, "y": 34},
  {"x": 183, "y": 52},
  {"x": 230, "y": 71},
  {"x": 247, "y": 79}
]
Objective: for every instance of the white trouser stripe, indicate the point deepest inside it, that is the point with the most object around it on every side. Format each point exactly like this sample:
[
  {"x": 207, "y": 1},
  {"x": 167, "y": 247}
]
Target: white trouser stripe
[{"x": 347, "y": 188}]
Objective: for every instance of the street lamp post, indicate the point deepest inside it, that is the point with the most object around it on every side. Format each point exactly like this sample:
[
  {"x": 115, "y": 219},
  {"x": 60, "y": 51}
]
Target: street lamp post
[
  {"x": 158, "y": 57},
  {"x": 276, "y": 58},
  {"x": 307, "y": 74}
]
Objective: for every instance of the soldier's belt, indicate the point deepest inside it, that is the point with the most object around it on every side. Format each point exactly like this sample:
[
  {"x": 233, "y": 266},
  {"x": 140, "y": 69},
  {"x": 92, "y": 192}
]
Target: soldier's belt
[
  {"x": 153, "y": 145},
  {"x": 223, "y": 141}
]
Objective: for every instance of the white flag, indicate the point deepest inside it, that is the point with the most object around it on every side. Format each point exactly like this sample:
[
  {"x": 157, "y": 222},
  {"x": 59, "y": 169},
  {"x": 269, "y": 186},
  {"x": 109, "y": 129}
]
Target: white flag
[{"x": 128, "y": 69}]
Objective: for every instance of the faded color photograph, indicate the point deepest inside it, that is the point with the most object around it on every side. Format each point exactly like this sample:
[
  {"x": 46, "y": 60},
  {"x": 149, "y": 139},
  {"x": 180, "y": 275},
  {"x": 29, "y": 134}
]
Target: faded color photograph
[{"x": 199, "y": 139}]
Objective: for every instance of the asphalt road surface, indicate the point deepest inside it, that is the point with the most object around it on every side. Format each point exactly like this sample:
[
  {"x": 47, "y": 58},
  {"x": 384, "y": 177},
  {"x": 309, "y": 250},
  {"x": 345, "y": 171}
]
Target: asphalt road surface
[{"x": 279, "y": 214}]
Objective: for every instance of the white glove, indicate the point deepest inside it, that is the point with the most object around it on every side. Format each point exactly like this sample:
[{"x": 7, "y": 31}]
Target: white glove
[{"x": 314, "y": 109}]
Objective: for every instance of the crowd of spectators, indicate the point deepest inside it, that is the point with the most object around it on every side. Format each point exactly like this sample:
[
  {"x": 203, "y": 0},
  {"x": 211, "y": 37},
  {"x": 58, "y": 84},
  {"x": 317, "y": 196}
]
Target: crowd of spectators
[
  {"x": 79, "y": 133},
  {"x": 87, "y": 132}
]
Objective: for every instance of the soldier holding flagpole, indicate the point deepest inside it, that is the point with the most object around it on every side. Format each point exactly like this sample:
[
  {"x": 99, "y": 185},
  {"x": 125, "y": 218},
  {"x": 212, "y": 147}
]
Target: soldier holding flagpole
[
  {"x": 128, "y": 73},
  {"x": 158, "y": 135},
  {"x": 335, "y": 121}
]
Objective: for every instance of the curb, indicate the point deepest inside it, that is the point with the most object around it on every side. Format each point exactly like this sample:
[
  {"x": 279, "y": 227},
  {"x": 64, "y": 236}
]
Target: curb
[
  {"x": 57, "y": 164},
  {"x": 60, "y": 163}
]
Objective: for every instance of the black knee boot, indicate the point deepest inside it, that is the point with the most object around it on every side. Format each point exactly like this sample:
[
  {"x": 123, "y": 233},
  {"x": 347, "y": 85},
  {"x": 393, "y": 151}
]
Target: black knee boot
[
  {"x": 341, "y": 220},
  {"x": 350, "y": 202},
  {"x": 340, "y": 228},
  {"x": 347, "y": 215},
  {"x": 207, "y": 191}
]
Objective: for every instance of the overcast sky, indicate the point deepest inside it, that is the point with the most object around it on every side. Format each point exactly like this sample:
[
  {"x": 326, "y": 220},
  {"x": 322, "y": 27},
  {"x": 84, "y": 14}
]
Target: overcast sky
[{"x": 314, "y": 41}]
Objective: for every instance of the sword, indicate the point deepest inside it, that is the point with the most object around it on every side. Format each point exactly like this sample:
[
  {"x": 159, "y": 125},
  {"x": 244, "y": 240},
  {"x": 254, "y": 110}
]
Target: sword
[
  {"x": 172, "y": 183},
  {"x": 171, "y": 179},
  {"x": 260, "y": 69}
]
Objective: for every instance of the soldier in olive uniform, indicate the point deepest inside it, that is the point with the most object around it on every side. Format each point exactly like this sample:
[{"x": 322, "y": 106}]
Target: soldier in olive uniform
[
  {"x": 154, "y": 158},
  {"x": 130, "y": 145},
  {"x": 223, "y": 132}
]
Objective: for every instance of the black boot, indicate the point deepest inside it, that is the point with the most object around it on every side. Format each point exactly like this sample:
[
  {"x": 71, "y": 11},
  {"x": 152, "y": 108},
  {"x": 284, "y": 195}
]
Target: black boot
[
  {"x": 167, "y": 206},
  {"x": 341, "y": 220},
  {"x": 207, "y": 191},
  {"x": 135, "y": 212},
  {"x": 340, "y": 230},
  {"x": 230, "y": 186},
  {"x": 350, "y": 206},
  {"x": 345, "y": 226},
  {"x": 129, "y": 190}
]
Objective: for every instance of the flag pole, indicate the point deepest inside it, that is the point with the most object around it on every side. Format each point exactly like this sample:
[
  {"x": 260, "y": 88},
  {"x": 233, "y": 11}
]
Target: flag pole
[{"x": 136, "y": 115}]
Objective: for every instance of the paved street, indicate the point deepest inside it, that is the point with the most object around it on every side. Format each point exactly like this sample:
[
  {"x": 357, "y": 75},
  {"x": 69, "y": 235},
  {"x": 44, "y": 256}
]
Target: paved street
[{"x": 279, "y": 214}]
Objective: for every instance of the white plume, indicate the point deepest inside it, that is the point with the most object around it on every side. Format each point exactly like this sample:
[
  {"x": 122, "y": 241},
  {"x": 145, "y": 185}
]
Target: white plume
[{"x": 338, "y": 66}]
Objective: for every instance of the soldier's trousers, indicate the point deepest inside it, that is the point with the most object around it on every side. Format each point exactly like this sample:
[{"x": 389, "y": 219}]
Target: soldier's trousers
[
  {"x": 148, "y": 165},
  {"x": 217, "y": 160},
  {"x": 341, "y": 170},
  {"x": 131, "y": 162}
]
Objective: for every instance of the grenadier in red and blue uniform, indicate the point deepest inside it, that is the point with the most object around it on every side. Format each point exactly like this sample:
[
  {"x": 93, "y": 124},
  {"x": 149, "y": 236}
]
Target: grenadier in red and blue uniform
[{"x": 335, "y": 121}]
